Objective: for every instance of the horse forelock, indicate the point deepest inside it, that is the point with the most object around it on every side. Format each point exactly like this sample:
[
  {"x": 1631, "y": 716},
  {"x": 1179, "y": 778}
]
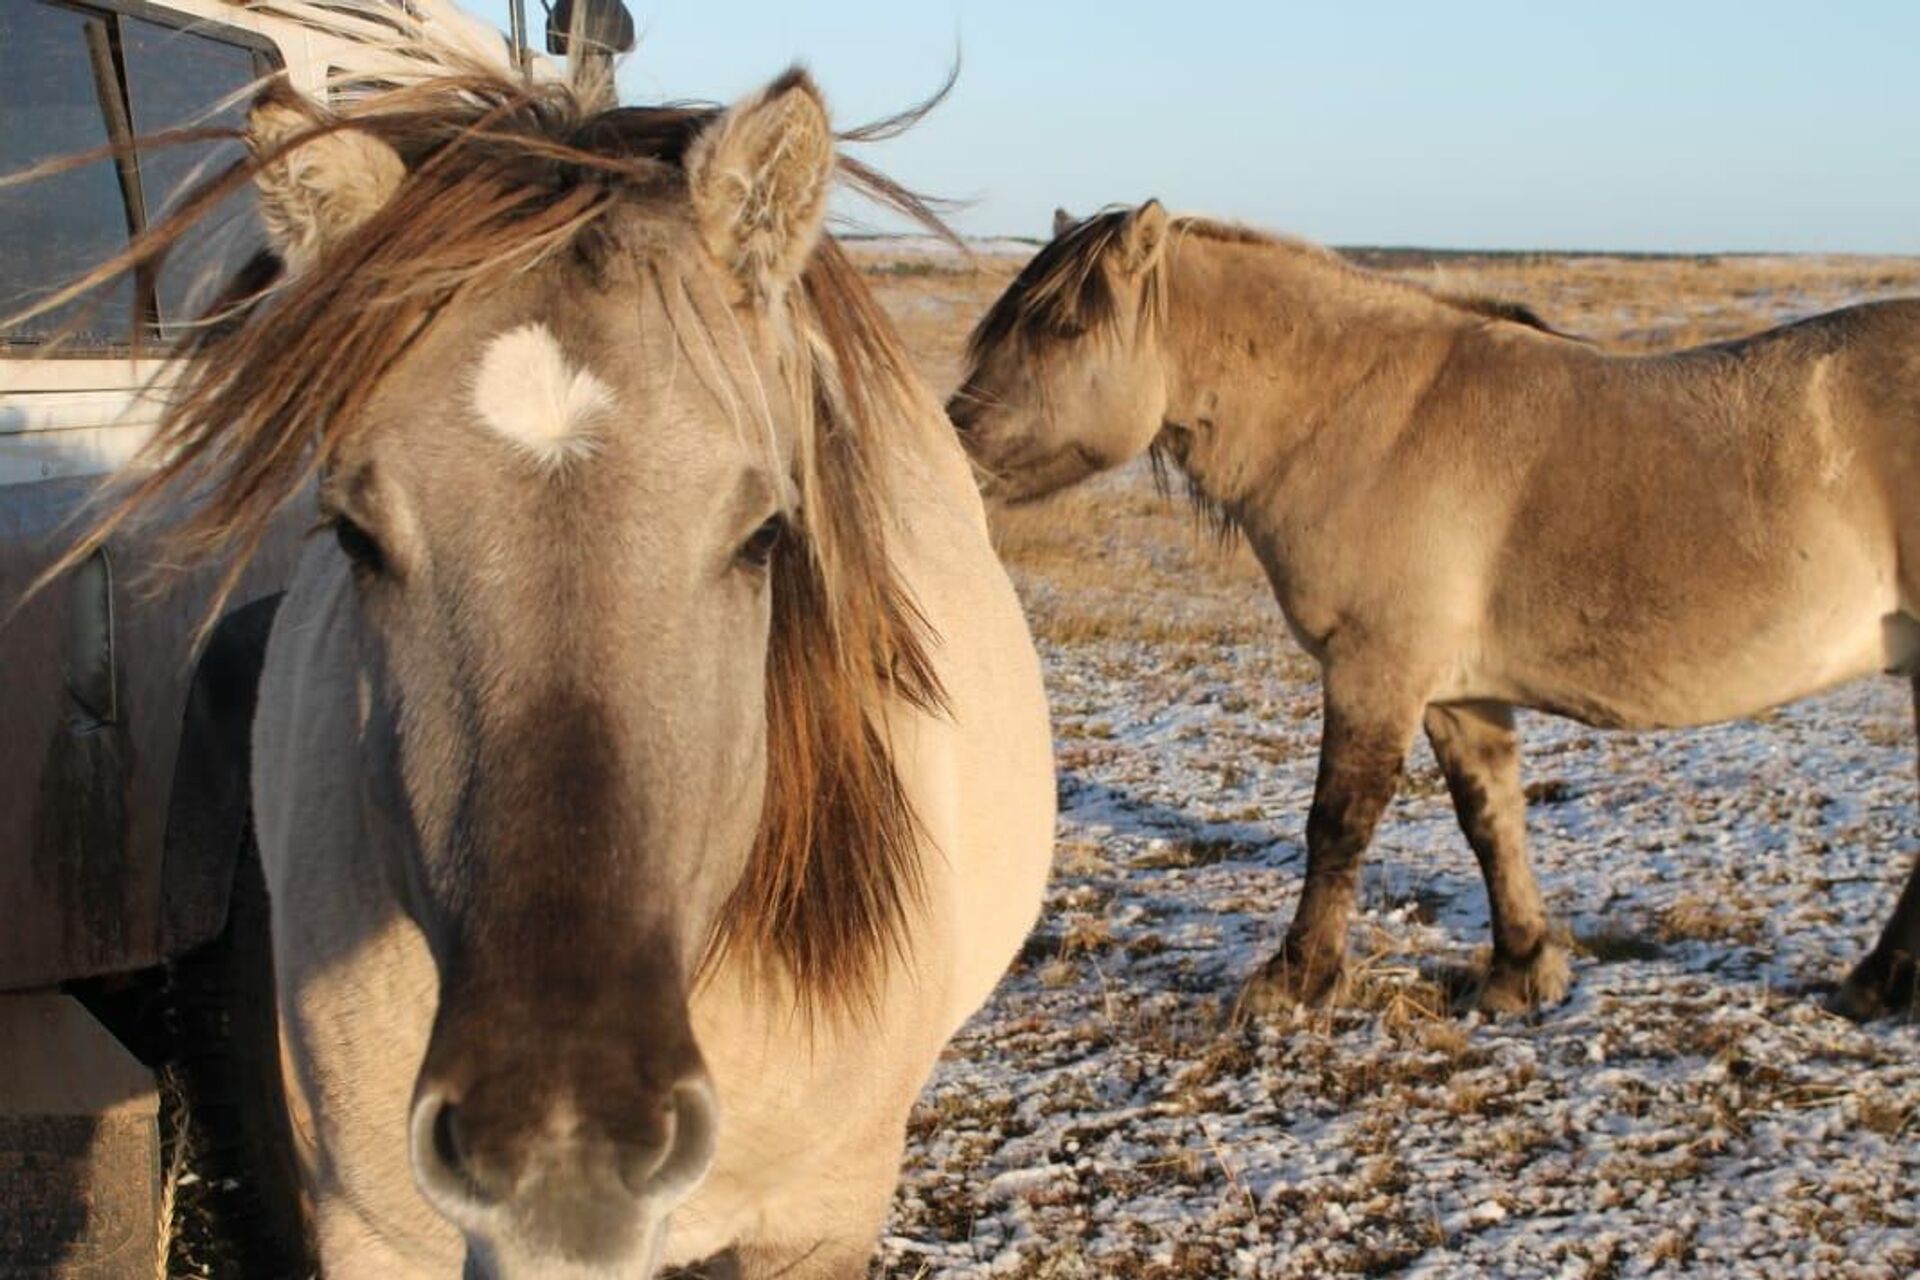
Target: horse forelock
[
  {"x": 1062, "y": 290},
  {"x": 501, "y": 178}
]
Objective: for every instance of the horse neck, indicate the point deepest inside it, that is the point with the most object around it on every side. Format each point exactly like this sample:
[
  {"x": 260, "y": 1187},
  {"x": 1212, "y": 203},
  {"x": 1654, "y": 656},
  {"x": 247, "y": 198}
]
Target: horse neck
[{"x": 1274, "y": 350}]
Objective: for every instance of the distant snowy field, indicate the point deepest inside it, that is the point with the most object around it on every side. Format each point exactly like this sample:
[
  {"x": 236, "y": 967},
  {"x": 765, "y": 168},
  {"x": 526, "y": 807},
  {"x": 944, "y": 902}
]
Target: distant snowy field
[
  {"x": 908, "y": 247},
  {"x": 1690, "y": 1111}
]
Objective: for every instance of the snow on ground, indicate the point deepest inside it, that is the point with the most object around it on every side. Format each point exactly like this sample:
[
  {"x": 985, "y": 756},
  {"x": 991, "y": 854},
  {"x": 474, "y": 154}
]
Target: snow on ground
[{"x": 1691, "y": 1110}]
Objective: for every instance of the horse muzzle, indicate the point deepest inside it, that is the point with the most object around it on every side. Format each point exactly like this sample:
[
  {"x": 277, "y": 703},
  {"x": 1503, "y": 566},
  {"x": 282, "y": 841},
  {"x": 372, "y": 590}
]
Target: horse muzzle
[{"x": 561, "y": 1149}]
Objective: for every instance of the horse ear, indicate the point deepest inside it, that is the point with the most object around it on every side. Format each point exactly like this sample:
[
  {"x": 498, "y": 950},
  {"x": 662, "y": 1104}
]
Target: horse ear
[
  {"x": 316, "y": 191},
  {"x": 759, "y": 178},
  {"x": 1143, "y": 237},
  {"x": 1062, "y": 222}
]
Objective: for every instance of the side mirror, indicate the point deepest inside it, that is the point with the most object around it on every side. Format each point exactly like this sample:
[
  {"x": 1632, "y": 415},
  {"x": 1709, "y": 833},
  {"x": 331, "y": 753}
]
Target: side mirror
[{"x": 601, "y": 26}]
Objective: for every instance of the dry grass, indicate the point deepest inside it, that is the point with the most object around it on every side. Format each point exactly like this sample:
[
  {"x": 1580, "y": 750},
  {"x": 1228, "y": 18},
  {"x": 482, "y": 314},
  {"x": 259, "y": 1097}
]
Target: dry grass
[
  {"x": 1696, "y": 917},
  {"x": 176, "y": 1167},
  {"x": 1653, "y": 304}
]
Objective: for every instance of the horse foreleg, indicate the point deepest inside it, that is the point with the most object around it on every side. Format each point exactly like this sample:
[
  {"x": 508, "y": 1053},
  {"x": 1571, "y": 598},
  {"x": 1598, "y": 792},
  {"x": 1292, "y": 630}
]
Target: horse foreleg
[
  {"x": 1368, "y": 728},
  {"x": 1888, "y": 980},
  {"x": 1479, "y": 754}
]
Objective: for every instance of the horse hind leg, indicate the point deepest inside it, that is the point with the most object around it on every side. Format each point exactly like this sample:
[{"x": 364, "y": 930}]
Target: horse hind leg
[
  {"x": 1888, "y": 980},
  {"x": 1479, "y": 753}
]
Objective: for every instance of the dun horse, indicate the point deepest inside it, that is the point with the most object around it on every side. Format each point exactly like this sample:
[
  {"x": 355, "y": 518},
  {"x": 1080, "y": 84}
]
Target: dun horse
[
  {"x": 651, "y": 764},
  {"x": 1461, "y": 512}
]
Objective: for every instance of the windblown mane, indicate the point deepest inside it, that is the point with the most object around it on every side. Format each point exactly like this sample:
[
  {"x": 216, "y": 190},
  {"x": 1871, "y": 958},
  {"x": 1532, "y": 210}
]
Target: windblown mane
[
  {"x": 1063, "y": 291},
  {"x": 502, "y": 175}
]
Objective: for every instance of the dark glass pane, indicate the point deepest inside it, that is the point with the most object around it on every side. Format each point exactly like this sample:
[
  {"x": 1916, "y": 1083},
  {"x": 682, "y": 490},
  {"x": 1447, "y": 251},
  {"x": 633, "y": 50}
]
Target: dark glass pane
[
  {"x": 55, "y": 229},
  {"x": 176, "y": 80}
]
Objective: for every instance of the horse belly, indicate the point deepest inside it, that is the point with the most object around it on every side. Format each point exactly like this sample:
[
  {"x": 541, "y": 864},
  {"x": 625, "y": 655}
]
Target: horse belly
[{"x": 1744, "y": 654}]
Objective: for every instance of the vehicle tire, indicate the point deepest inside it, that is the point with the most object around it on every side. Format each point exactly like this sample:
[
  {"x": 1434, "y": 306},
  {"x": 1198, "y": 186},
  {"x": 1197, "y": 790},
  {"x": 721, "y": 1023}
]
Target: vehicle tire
[{"x": 240, "y": 1213}]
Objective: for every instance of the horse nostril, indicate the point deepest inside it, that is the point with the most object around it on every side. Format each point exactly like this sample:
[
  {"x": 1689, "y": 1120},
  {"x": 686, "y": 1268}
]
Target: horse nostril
[
  {"x": 444, "y": 1155},
  {"x": 670, "y": 1171},
  {"x": 447, "y": 1145}
]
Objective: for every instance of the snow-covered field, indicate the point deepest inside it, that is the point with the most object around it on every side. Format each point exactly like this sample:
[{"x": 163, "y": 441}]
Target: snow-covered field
[{"x": 1690, "y": 1110}]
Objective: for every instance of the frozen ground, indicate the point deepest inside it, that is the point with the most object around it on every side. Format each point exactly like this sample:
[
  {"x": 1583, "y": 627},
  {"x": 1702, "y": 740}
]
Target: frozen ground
[{"x": 1689, "y": 1111}]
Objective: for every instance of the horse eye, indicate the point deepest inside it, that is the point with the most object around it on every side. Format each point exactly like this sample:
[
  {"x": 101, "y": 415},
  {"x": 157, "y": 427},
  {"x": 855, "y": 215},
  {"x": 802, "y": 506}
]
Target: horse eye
[
  {"x": 758, "y": 549},
  {"x": 358, "y": 544}
]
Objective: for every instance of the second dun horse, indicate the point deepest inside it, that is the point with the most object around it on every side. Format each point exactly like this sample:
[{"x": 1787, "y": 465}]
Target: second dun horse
[
  {"x": 651, "y": 764},
  {"x": 1462, "y": 512}
]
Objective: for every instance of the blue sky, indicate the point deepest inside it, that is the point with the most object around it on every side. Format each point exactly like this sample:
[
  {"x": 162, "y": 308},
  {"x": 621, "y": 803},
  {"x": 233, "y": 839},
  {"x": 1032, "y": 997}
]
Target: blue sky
[{"x": 1685, "y": 125}]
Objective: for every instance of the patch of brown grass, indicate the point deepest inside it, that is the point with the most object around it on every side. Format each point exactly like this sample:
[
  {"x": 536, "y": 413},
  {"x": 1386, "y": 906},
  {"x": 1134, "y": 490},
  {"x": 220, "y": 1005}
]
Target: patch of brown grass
[
  {"x": 1616, "y": 943},
  {"x": 1085, "y": 934},
  {"x": 1889, "y": 1116},
  {"x": 1696, "y": 918}
]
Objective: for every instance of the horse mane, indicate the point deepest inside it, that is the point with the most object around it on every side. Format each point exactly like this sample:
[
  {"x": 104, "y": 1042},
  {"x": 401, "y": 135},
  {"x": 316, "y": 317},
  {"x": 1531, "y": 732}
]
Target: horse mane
[
  {"x": 1063, "y": 292},
  {"x": 1500, "y": 309},
  {"x": 504, "y": 175}
]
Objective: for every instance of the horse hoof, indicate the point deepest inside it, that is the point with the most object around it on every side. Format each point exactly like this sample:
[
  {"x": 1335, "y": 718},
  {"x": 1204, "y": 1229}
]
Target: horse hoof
[
  {"x": 1286, "y": 984},
  {"x": 1878, "y": 988},
  {"x": 1522, "y": 986}
]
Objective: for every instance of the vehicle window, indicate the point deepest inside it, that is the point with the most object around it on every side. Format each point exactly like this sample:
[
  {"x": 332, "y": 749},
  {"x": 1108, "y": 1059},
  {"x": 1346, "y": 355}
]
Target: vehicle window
[
  {"x": 53, "y": 229},
  {"x": 175, "y": 80},
  {"x": 72, "y": 78}
]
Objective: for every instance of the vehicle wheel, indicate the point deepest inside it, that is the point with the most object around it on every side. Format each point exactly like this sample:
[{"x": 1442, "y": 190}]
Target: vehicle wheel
[{"x": 237, "y": 1207}]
